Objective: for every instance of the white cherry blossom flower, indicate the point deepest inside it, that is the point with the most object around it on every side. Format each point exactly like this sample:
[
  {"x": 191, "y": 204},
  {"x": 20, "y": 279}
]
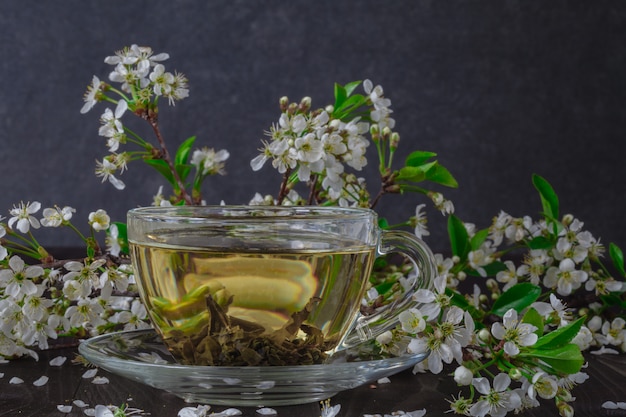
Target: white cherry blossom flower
[
  {"x": 508, "y": 276},
  {"x": 55, "y": 217},
  {"x": 603, "y": 286},
  {"x": 518, "y": 228},
  {"x": 111, "y": 124},
  {"x": 209, "y": 162},
  {"x": 445, "y": 342},
  {"x": 565, "y": 278},
  {"x": 478, "y": 259},
  {"x": 514, "y": 333},
  {"x": 434, "y": 300},
  {"x": 555, "y": 311},
  {"x": 412, "y": 321},
  {"x": 329, "y": 411},
  {"x": 419, "y": 221},
  {"x": 534, "y": 265},
  {"x": 17, "y": 279},
  {"x": 91, "y": 95},
  {"x": 84, "y": 271},
  {"x": 498, "y": 227},
  {"x": 35, "y": 306},
  {"x": 496, "y": 401},
  {"x": 442, "y": 204},
  {"x": 23, "y": 215},
  {"x": 99, "y": 220},
  {"x": 106, "y": 169},
  {"x": 86, "y": 313},
  {"x": 543, "y": 385}
]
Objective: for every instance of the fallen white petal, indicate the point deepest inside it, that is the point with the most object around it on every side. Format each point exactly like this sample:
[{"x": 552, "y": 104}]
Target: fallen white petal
[
  {"x": 198, "y": 411},
  {"x": 80, "y": 403},
  {"x": 41, "y": 381},
  {"x": 15, "y": 380},
  {"x": 91, "y": 412},
  {"x": 384, "y": 380},
  {"x": 58, "y": 361},
  {"x": 605, "y": 351},
  {"x": 100, "y": 380},
  {"x": 621, "y": 405},
  {"x": 1, "y": 375},
  {"x": 64, "y": 408},
  {"x": 90, "y": 373},
  {"x": 265, "y": 411}
]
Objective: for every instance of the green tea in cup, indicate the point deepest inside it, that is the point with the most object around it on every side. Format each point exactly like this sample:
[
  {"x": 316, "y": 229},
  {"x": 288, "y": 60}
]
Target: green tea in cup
[{"x": 256, "y": 285}]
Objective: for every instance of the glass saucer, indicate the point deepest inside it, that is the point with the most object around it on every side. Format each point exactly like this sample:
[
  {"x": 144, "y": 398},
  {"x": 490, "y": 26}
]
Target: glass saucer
[{"x": 140, "y": 355}]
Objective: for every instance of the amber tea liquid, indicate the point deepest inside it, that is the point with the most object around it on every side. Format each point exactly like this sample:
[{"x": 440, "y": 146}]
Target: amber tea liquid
[{"x": 290, "y": 299}]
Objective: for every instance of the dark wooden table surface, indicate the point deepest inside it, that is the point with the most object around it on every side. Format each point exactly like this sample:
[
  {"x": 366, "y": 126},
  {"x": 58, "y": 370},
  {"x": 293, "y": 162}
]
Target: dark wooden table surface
[{"x": 406, "y": 392}]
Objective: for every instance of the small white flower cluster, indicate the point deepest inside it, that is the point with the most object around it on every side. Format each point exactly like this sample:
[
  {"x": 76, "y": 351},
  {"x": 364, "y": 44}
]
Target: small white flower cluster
[
  {"x": 315, "y": 144},
  {"x": 561, "y": 267},
  {"x": 144, "y": 80},
  {"x": 37, "y": 303},
  {"x": 142, "y": 76}
]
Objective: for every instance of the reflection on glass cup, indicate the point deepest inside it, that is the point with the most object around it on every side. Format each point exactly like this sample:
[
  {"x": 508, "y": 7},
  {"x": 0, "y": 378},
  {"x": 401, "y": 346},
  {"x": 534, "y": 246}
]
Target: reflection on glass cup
[{"x": 257, "y": 285}]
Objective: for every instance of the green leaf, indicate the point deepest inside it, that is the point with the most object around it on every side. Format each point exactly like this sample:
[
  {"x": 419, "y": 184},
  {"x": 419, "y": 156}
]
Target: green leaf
[
  {"x": 479, "y": 238},
  {"x": 440, "y": 175},
  {"x": 617, "y": 256},
  {"x": 559, "y": 337},
  {"x": 183, "y": 171},
  {"x": 533, "y": 317},
  {"x": 350, "y": 87},
  {"x": 182, "y": 154},
  {"x": 459, "y": 238},
  {"x": 518, "y": 297},
  {"x": 349, "y": 104},
  {"x": 413, "y": 174},
  {"x": 566, "y": 359},
  {"x": 418, "y": 158},
  {"x": 162, "y": 167},
  {"x": 549, "y": 199},
  {"x": 540, "y": 242},
  {"x": 383, "y": 223},
  {"x": 340, "y": 95}
]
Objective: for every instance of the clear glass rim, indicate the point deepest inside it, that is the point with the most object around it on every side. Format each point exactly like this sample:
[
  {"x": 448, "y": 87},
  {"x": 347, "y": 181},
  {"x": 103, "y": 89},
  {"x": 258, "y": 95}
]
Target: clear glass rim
[{"x": 245, "y": 213}]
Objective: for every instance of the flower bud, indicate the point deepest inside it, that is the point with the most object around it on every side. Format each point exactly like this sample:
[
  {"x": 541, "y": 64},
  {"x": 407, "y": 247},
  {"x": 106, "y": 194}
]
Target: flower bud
[
  {"x": 305, "y": 104},
  {"x": 515, "y": 374},
  {"x": 394, "y": 140},
  {"x": 567, "y": 219},
  {"x": 463, "y": 376},
  {"x": 484, "y": 335},
  {"x": 284, "y": 103},
  {"x": 565, "y": 409}
]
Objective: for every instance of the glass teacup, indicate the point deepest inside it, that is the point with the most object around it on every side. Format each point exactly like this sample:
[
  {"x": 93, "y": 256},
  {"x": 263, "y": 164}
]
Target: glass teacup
[{"x": 259, "y": 285}]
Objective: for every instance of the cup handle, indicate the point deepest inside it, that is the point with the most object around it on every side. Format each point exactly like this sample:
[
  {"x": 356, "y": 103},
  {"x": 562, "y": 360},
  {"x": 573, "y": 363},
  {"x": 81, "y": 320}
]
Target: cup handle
[{"x": 368, "y": 327}]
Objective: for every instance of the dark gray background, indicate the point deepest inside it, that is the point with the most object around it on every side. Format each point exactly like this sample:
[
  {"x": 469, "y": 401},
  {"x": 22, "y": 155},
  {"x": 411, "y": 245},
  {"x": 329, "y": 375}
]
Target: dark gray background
[{"x": 499, "y": 89}]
